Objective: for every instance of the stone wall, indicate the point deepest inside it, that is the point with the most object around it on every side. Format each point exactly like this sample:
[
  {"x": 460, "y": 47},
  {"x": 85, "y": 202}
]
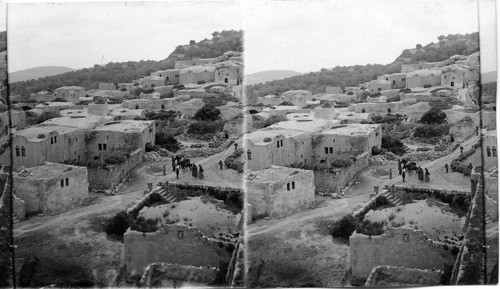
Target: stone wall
[
  {"x": 103, "y": 178},
  {"x": 158, "y": 274},
  {"x": 327, "y": 182},
  {"x": 396, "y": 276},
  {"x": 397, "y": 247},
  {"x": 175, "y": 244}
]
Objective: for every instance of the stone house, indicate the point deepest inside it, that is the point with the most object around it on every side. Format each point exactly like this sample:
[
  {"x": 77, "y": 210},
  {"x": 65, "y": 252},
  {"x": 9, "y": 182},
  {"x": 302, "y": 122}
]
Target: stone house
[
  {"x": 333, "y": 90},
  {"x": 151, "y": 104},
  {"x": 278, "y": 192},
  {"x": 350, "y": 117},
  {"x": 424, "y": 77},
  {"x": 51, "y": 188},
  {"x": 397, "y": 80},
  {"x": 70, "y": 93},
  {"x": 127, "y": 135},
  {"x": 42, "y": 96},
  {"x": 453, "y": 76},
  {"x": 54, "y": 106},
  {"x": 281, "y": 147},
  {"x": 377, "y": 107},
  {"x": 379, "y": 85},
  {"x": 197, "y": 74},
  {"x": 346, "y": 139},
  {"x": 490, "y": 149},
  {"x": 99, "y": 109},
  {"x": 269, "y": 100},
  {"x": 171, "y": 76},
  {"x": 152, "y": 81},
  {"x": 283, "y": 110},
  {"x": 229, "y": 72},
  {"x": 333, "y": 98},
  {"x": 36, "y": 145}
]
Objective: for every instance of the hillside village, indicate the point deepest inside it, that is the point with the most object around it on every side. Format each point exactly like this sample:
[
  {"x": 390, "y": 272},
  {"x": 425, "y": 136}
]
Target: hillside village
[
  {"x": 389, "y": 170},
  {"x": 103, "y": 155}
]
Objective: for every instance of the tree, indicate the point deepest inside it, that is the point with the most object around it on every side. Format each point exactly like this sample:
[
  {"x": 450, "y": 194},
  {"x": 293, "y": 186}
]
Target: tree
[
  {"x": 419, "y": 46},
  {"x": 207, "y": 112},
  {"x": 433, "y": 116},
  {"x": 192, "y": 42},
  {"x": 167, "y": 142}
]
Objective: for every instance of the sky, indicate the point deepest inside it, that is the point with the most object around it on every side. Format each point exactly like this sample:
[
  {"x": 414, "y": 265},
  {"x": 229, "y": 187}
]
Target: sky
[
  {"x": 309, "y": 35},
  {"x": 304, "y": 35}
]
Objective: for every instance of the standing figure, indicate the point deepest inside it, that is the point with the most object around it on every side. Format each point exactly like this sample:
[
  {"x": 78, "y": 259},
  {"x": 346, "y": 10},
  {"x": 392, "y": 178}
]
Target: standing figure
[
  {"x": 427, "y": 176},
  {"x": 461, "y": 149},
  {"x": 403, "y": 175},
  {"x": 235, "y": 146},
  {"x": 390, "y": 174},
  {"x": 399, "y": 167},
  {"x": 201, "y": 170},
  {"x": 446, "y": 167},
  {"x": 220, "y": 164},
  {"x": 195, "y": 171},
  {"x": 477, "y": 130},
  {"x": 173, "y": 163},
  {"x": 177, "y": 171}
]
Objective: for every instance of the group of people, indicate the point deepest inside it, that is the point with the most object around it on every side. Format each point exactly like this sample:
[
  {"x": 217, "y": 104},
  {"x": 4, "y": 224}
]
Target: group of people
[
  {"x": 196, "y": 171},
  {"x": 404, "y": 170}
]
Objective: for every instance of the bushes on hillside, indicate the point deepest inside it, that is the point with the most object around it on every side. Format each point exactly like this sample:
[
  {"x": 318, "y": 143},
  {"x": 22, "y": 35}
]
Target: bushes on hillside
[
  {"x": 207, "y": 112},
  {"x": 344, "y": 227},
  {"x": 117, "y": 225},
  {"x": 202, "y": 127},
  {"x": 393, "y": 145},
  {"x": 433, "y": 116},
  {"x": 430, "y": 131},
  {"x": 167, "y": 142}
]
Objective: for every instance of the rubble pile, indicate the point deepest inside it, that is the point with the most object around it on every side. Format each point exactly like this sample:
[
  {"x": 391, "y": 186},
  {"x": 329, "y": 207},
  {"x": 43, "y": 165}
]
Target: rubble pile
[
  {"x": 154, "y": 157},
  {"x": 380, "y": 160}
]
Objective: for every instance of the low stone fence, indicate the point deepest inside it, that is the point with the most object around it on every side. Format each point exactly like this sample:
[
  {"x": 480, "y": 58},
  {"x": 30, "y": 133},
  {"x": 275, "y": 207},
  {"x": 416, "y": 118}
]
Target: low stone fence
[
  {"x": 369, "y": 205},
  {"x": 108, "y": 176},
  {"x": 389, "y": 275},
  {"x": 330, "y": 181},
  {"x": 156, "y": 274}
]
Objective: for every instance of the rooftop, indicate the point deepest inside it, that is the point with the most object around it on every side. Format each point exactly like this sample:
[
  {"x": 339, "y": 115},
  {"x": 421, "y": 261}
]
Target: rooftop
[
  {"x": 198, "y": 69},
  {"x": 306, "y": 125},
  {"x": 257, "y": 137},
  {"x": 70, "y": 88},
  {"x": 79, "y": 121},
  {"x": 46, "y": 171},
  {"x": 41, "y": 132},
  {"x": 352, "y": 129},
  {"x": 424, "y": 72},
  {"x": 351, "y": 115},
  {"x": 379, "y": 81},
  {"x": 273, "y": 174},
  {"x": 125, "y": 126},
  {"x": 55, "y": 104},
  {"x": 281, "y": 107}
]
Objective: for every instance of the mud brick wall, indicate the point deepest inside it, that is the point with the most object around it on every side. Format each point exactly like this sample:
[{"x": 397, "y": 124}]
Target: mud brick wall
[
  {"x": 397, "y": 247},
  {"x": 173, "y": 244}
]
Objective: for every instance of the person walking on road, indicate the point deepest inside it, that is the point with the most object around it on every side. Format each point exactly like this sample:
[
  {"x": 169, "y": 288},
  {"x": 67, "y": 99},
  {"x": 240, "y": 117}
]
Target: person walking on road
[
  {"x": 427, "y": 176},
  {"x": 446, "y": 167}
]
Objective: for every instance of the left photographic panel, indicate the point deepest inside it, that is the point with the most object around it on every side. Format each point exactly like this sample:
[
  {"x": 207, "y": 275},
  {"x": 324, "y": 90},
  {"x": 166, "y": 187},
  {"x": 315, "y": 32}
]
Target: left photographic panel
[{"x": 126, "y": 124}]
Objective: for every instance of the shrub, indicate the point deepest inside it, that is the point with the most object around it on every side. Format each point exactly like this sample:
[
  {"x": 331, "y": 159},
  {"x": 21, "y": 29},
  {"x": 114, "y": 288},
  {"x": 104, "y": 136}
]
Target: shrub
[
  {"x": 433, "y": 116},
  {"x": 144, "y": 225},
  {"x": 117, "y": 225},
  {"x": 231, "y": 161},
  {"x": 115, "y": 158},
  {"x": 148, "y": 90},
  {"x": 393, "y": 145},
  {"x": 59, "y": 99},
  {"x": 169, "y": 94},
  {"x": 167, "y": 142},
  {"x": 207, "y": 112},
  {"x": 202, "y": 127},
  {"x": 344, "y": 227},
  {"x": 371, "y": 229},
  {"x": 341, "y": 161},
  {"x": 429, "y": 131}
]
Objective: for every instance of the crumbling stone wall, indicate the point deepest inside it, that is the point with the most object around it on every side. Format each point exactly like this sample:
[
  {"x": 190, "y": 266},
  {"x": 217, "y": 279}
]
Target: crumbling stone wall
[
  {"x": 333, "y": 181},
  {"x": 103, "y": 178},
  {"x": 156, "y": 274},
  {"x": 397, "y": 247},
  {"x": 175, "y": 244},
  {"x": 389, "y": 275}
]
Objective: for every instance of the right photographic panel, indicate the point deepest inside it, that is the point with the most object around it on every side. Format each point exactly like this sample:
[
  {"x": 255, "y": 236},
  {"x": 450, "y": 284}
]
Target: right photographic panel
[{"x": 370, "y": 143}]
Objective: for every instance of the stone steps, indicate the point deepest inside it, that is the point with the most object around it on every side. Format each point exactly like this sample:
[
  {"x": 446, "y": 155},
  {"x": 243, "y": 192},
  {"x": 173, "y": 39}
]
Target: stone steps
[
  {"x": 392, "y": 199},
  {"x": 169, "y": 197}
]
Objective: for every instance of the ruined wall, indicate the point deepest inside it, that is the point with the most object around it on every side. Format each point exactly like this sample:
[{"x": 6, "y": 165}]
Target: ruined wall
[
  {"x": 102, "y": 178},
  {"x": 159, "y": 274},
  {"x": 327, "y": 182},
  {"x": 397, "y": 247},
  {"x": 173, "y": 244},
  {"x": 388, "y": 275}
]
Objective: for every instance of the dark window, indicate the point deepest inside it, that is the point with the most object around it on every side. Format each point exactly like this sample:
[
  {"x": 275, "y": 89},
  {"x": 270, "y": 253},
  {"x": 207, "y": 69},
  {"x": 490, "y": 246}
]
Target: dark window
[
  {"x": 55, "y": 139},
  {"x": 67, "y": 182},
  {"x": 293, "y": 185},
  {"x": 331, "y": 150},
  {"x": 23, "y": 151},
  {"x": 326, "y": 150},
  {"x": 104, "y": 147},
  {"x": 277, "y": 144},
  {"x": 488, "y": 151},
  {"x": 100, "y": 147},
  {"x": 288, "y": 186},
  {"x": 249, "y": 155},
  {"x": 281, "y": 143},
  {"x": 51, "y": 140},
  {"x": 62, "y": 183},
  {"x": 18, "y": 152},
  {"x": 494, "y": 150}
]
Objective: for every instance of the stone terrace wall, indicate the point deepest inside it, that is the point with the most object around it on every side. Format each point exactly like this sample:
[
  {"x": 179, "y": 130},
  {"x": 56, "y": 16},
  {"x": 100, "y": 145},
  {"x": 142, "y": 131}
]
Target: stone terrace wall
[
  {"x": 106, "y": 178},
  {"x": 155, "y": 273},
  {"x": 397, "y": 247},
  {"x": 384, "y": 275},
  {"x": 174, "y": 244},
  {"x": 327, "y": 183}
]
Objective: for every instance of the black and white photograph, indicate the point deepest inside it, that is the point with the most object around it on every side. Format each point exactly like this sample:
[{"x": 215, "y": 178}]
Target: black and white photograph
[{"x": 252, "y": 144}]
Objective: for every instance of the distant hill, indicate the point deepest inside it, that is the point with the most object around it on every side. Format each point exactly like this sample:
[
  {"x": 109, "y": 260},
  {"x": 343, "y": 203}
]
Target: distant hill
[
  {"x": 489, "y": 77},
  {"x": 118, "y": 72},
  {"x": 37, "y": 72},
  {"x": 269, "y": 75},
  {"x": 342, "y": 76}
]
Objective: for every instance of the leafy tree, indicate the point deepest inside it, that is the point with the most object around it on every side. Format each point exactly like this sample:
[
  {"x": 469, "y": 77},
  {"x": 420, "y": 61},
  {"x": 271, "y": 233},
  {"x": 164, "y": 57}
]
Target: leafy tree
[
  {"x": 207, "y": 112},
  {"x": 433, "y": 116},
  {"x": 167, "y": 142}
]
